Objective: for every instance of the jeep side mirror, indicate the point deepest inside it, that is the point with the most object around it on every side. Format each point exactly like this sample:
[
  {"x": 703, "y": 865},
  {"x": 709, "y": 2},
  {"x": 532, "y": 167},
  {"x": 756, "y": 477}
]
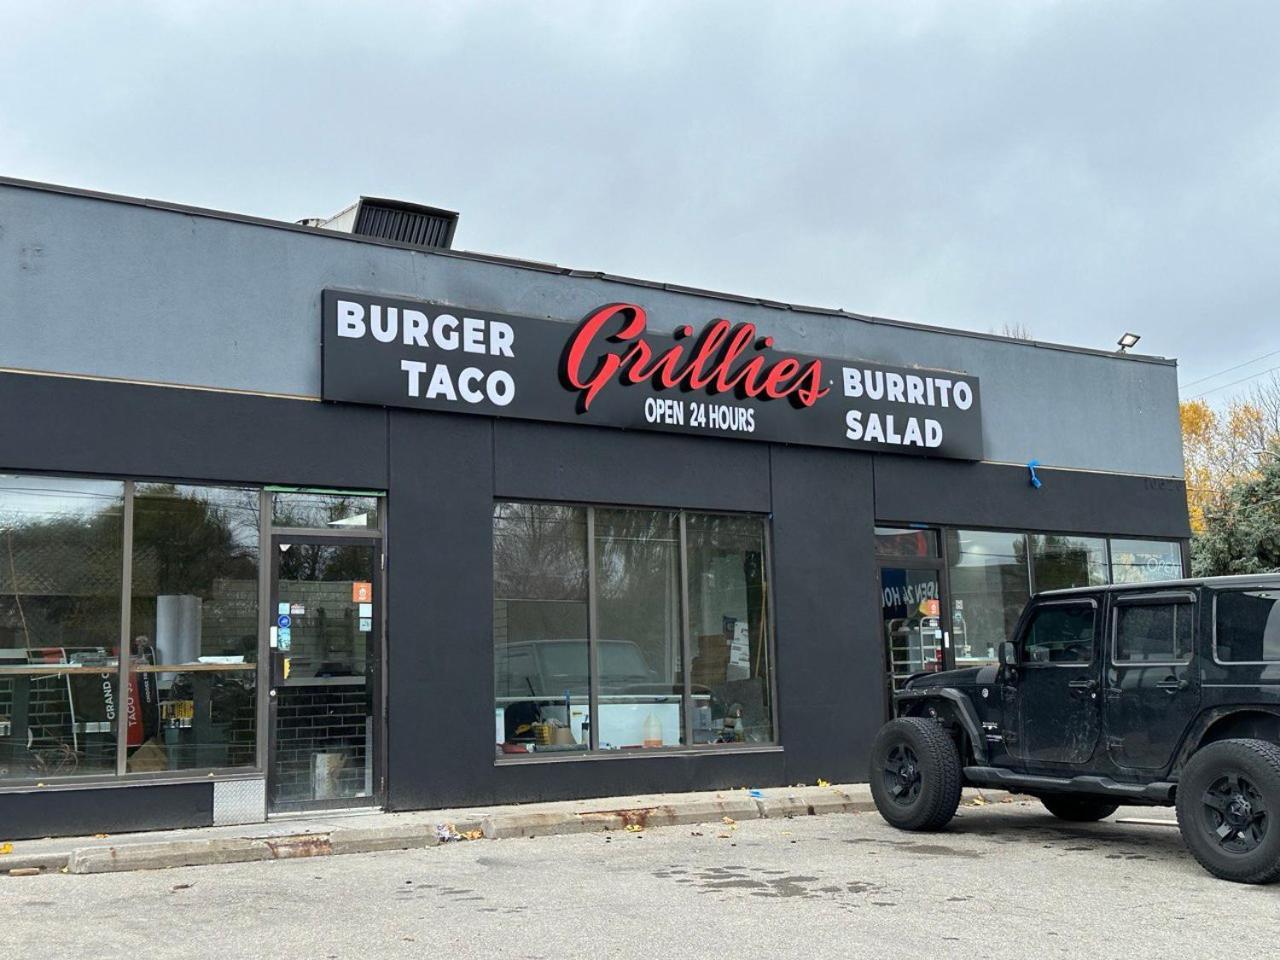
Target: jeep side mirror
[{"x": 1008, "y": 654}]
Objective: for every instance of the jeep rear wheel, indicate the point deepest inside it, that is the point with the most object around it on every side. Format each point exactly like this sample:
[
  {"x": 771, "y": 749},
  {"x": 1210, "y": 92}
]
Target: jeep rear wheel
[
  {"x": 915, "y": 774},
  {"x": 1228, "y": 802},
  {"x": 1079, "y": 809}
]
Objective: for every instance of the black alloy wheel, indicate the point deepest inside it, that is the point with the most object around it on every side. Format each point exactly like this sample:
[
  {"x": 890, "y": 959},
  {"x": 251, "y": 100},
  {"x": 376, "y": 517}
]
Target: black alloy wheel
[
  {"x": 915, "y": 774},
  {"x": 902, "y": 777},
  {"x": 1228, "y": 797},
  {"x": 1235, "y": 812}
]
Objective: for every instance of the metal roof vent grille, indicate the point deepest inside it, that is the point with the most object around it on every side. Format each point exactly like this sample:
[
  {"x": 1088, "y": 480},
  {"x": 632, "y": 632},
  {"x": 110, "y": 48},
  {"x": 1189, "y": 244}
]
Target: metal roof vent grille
[{"x": 396, "y": 220}]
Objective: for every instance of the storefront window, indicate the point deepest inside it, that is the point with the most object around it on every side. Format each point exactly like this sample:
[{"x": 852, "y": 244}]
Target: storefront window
[
  {"x": 1060, "y": 561},
  {"x": 544, "y": 646},
  {"x": 989, "y": 587},
  {"x": 194, "y": 628},
  {"x": 540, "y": 628},
  {"x": 637, "y": 555},
  {"x": 61, "y": 563},
  {"x": 1144, "y": 561},
  {"x": 324, "y": 511},
  {"x": 729, "y": 629}
]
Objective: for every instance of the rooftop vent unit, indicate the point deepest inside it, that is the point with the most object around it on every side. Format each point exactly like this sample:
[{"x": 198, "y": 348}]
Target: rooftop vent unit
[{"x": 395, "y": 220}]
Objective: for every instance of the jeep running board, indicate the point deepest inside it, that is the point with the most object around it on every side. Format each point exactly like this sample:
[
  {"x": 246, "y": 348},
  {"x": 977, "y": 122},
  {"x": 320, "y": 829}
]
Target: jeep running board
[{"x": 1157, "y": 793}]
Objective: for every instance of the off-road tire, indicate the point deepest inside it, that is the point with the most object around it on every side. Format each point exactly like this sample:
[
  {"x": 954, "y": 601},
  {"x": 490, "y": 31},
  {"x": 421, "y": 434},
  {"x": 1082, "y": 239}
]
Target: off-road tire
[
  {"x": 1219, "y": 795},
  {"x": 1079, "y": 809},
  {"x": 915, "y": 774}
]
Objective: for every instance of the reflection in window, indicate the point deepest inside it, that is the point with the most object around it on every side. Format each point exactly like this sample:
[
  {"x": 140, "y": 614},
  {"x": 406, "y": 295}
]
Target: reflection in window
[
  {"x": 989, "y": 588},
  {"x": 729, "y": 628},
  {"x": 61, "y": 559},
  {"x": 1247, "y": 626},
  {"x": 324, "y": 511},
  {"x": 1154, "y": 632},
  {"x": 1060, "y": 561},
  {"x": 1145, "y": 561},
  {"x": 638, "y": 623},
  {"x": 194, "y": 607},
  {"x": 906, "y": 542},
  {"x": 1060, "y": 634},
  {"x": 540, "y": 627},
  {"x": 542, "y": 651}
]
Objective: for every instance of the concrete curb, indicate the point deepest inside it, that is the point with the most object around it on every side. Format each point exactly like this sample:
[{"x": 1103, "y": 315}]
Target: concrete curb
[{"x": 532, "y": 821}]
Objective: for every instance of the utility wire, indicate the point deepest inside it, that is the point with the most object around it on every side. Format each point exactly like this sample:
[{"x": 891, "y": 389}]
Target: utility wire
[
  {"x": 1233, "y": 383},
  {"x": 1184, "y": 386}
]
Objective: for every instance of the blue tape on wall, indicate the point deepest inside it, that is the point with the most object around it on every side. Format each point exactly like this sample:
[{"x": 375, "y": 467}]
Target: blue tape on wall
[{"x": 1031, "y": 469}]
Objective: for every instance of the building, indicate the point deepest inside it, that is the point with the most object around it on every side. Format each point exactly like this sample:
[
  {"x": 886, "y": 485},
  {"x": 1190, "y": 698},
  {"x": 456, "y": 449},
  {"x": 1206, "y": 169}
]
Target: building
[{"x": 379, "y": 522}]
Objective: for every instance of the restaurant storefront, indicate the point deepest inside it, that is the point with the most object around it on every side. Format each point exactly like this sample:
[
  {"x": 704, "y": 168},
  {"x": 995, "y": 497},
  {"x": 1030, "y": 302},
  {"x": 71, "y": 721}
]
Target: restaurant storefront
[{"x": 297, "y": 519}]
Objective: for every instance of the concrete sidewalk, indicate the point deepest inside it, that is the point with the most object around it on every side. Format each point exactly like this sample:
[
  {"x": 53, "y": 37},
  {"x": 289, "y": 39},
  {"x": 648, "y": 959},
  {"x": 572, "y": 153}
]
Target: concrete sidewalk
[{"x": 331, "y": 835}]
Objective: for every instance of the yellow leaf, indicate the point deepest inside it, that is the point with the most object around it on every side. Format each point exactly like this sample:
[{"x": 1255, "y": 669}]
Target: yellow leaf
[
  {"x": 823, "y": 783},
  {"x": 6, "y": 848}
]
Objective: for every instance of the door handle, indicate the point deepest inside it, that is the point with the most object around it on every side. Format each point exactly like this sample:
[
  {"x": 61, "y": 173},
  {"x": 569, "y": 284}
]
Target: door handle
[
  {"x": 1173, "y": 684},
  {"x": 1083, "y": 685}
]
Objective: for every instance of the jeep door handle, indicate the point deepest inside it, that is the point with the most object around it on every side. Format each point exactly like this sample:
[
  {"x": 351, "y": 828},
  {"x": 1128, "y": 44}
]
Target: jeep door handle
[
  {"x": 1083, "y": 684},
  {"x": 1172, "y": 684}
]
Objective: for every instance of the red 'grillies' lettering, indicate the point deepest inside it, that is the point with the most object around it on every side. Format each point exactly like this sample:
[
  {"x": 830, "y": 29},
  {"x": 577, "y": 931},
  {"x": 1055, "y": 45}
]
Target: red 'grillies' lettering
[{"x": 713, "y": 361}]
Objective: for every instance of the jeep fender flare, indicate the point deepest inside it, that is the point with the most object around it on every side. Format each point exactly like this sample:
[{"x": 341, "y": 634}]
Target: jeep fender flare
[
  {"x": 1195, "y": 735},
  {"x": 961, "y": 708}
]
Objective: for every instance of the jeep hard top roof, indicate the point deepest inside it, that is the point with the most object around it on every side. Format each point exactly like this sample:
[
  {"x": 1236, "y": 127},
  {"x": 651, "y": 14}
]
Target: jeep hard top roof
[{"x": 1268, "y": 580}]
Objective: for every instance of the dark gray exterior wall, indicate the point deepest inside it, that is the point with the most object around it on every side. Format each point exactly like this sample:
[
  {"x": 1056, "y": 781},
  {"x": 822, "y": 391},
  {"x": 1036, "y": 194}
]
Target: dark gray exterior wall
[
  {"x": 123, "y": 290},
  {"x": 443, "y": 472}
]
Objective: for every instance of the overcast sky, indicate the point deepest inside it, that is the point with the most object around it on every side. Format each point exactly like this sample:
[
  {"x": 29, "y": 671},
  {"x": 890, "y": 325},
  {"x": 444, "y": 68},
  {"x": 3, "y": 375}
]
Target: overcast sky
[{"x": 1076, "y": 168}]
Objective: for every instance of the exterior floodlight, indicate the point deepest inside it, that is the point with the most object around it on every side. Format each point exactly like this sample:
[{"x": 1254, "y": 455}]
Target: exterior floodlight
[{"x": 1128, "y": 340}]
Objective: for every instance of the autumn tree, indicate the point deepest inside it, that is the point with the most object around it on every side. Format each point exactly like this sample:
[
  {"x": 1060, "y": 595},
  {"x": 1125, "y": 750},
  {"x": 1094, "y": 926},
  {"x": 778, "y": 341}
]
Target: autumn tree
[{"x": 1225, "y": 447}]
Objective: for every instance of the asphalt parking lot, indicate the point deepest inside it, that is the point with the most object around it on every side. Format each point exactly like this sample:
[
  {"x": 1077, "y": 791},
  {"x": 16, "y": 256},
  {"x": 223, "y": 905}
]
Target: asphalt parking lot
[{"x": 1005, "y": 880}]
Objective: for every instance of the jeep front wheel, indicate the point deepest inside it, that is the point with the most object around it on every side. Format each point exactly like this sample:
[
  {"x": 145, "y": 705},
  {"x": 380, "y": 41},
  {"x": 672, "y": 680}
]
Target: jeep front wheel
[
  {"x": 1079, "y": 809},
  {"x": 915, "y": 774},
  {"x": 1228, "y": 801}
]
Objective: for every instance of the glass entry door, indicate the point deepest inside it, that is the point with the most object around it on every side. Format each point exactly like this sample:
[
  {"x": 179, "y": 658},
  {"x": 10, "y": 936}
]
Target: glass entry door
[
  {"x": 325, "y": 641},
  {"x": 913, "y": 621}
]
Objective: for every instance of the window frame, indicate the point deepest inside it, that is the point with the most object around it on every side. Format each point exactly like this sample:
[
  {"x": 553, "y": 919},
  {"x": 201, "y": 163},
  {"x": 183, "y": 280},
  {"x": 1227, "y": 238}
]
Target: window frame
[
  {"x": 1175, "y": 598},
  {"x": 686, "y": 748},
  {"x": 1244, "y": 588}
]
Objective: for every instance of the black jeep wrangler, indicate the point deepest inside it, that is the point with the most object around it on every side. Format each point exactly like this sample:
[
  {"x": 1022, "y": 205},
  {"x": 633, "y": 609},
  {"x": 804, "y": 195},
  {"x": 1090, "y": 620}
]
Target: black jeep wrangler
[{"x": 1156, "y": 694}]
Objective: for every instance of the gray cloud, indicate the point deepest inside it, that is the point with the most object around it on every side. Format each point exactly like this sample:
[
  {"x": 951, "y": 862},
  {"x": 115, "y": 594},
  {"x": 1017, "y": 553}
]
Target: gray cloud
[{"x": 1079, "y": 168}]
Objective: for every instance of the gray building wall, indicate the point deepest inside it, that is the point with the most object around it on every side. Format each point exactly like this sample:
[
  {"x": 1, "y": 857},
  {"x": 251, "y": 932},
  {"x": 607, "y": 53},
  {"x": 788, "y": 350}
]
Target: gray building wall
[{"x": 108, "y": 287}]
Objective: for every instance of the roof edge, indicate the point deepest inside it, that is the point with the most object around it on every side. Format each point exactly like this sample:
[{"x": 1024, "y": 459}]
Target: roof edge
[{"x": 543, "y": 267}]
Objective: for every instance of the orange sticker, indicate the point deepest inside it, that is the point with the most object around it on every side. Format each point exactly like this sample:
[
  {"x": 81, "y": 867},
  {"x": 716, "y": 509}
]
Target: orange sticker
[{"x": 362, "y": 592}]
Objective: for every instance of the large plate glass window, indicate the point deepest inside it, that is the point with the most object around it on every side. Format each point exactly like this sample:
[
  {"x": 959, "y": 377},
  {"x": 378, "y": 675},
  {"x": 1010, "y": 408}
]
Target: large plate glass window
[
  {"x": 61, "y": 565},
  {"x": 594, "y": 647},
  {"x": 990, "y": 585},
  {"x": 542, "y": 665},
  {"x": 1060, "y": 561},
  {"x": 194, "y": 628},
  {"x": 1145, "y": 561}
]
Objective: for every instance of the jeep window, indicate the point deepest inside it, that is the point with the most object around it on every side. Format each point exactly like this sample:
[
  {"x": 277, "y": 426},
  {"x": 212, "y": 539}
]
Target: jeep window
[
  {"x": 1153, "y": 632},
  {"x": 1247, "y": 626},
  {"x": 1060, "y": 634}
]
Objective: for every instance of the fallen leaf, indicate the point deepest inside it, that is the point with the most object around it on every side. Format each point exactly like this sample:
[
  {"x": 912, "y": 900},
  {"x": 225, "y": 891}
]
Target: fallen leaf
[
  {"x": 102, "y": 836},
  {"x": 695, "y": 833},
  {"x": 472, "y": 834},
  {"x": 6, "y": 848},
  {"x": 728, "y": 820},
  {"x": 823, "y": 783},
  {"x": 633, "y": 828},
  {"x": 722, "y": 836}
]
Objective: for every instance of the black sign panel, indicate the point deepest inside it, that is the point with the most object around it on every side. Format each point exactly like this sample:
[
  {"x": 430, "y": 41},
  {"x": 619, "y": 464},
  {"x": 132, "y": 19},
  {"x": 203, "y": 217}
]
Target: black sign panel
[{"x": 613, "y": 370}]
